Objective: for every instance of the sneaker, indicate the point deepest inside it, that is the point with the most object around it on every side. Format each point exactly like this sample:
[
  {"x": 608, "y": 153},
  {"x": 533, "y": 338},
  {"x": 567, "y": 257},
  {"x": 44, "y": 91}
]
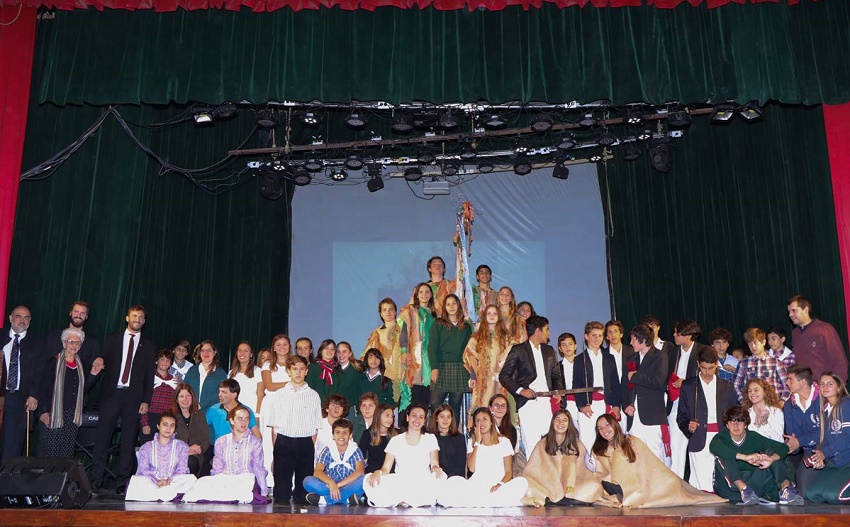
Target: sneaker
[
  {"x": 790, "y": 496},
  {"x": 748, "y": 497},
  {"x": 313, "y": 498},
  {"x": 352, "y": 500}
]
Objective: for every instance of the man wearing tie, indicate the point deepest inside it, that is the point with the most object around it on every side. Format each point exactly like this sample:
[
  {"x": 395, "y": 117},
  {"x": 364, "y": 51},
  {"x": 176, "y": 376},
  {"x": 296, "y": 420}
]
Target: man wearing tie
[
  {"x": 531, "y": 367},
  {"x": 21, "y": 377},
  {"x": 127, "y": 385}
]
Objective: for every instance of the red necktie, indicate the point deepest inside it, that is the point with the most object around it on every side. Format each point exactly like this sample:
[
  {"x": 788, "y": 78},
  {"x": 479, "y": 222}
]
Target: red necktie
[{"x": 125, "y": 376}]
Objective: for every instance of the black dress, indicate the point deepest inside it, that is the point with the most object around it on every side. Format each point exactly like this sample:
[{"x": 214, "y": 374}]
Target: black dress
[
  {"x": 374, "y": 454},
  {"x": 453, "y": 454},
  {"x": 60, "y": 442}
]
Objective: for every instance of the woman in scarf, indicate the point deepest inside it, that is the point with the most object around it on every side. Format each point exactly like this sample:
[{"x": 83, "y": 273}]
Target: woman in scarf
[
  {"x": 418, "y": 316},
  {"x": 320, "y": 375},
  {"x": 484, "y": 355}
]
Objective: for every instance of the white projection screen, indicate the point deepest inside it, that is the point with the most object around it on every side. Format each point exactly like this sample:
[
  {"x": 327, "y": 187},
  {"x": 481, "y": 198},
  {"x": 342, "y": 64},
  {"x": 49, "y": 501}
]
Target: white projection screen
[{"x": 542, "y": 236}]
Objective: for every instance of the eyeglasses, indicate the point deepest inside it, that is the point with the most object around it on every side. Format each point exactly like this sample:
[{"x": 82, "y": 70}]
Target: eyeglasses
[
  {"x": 499, "y": 405},
  {"x": 73, "y": 343}
]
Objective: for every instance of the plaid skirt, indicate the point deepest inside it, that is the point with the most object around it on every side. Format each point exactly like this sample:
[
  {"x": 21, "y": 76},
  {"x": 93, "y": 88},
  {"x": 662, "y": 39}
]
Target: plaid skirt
[{"x": 453, "y": 378}]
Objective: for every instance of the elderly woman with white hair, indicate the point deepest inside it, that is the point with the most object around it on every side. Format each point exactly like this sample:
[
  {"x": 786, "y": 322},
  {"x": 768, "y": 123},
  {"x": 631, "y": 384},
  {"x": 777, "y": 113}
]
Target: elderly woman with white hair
[{"x": 60, "y": 405}]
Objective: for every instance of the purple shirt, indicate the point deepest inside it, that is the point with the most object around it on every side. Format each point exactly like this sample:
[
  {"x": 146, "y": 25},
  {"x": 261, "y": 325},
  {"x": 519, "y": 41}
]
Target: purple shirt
[
  {"x": 240, "y": 457},
  {"x": 818, "y": 346},
  {"x": 163, "y": 461}
]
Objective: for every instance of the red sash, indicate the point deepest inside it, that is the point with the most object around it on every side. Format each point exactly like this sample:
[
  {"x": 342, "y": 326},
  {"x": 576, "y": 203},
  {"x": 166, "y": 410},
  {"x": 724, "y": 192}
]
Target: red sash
[
  {"x": 672, "y": 390},
  {"x": 712, "y": 427}
]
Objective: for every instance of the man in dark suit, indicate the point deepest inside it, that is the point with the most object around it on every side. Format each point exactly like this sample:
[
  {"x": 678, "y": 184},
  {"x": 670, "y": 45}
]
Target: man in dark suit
[
  {"x": 127, "y": 386},
  {"x": 23, "y": 361},
  {"x": 595, "y": 368},
  {"x": 645, "y": 389},
  {"x": 531, "y": 367},
  {"x": 702, "y": 402},
  {"x": 623, "y": 354},
  {"x": 89, "y": 353},
  {"x": 682, "y": 364}
]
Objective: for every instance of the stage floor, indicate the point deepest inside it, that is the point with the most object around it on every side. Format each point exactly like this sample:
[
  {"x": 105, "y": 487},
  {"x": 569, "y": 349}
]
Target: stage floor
[{"x": 109, "y": 510}]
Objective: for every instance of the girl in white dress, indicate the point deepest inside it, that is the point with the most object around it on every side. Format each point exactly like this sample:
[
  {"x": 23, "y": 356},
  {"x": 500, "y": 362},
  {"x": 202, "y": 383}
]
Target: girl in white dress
[{"x": 244, "y": 370}]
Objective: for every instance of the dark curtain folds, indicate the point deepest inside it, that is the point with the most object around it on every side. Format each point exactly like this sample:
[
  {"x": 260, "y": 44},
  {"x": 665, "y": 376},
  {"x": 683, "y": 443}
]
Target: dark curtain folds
[
  {"x": 743, "y": 221},
  {"x": 766, "y": 52},
  {"x": 107, "y": 228}
]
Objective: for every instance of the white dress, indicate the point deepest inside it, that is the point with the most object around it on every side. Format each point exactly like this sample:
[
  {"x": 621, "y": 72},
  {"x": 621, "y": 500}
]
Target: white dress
[
  {"x": 775, "y": 426},
  {"x": 248, "y": 388},
  {"x": 412, "y": 482},
  {"x": 489, "y": 470}
]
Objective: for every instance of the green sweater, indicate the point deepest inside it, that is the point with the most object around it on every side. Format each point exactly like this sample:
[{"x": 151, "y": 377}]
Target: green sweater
[
  {"x": 314, "y": 380},
  {"x": 347, "y": 384},
  {"x": 384, "y": 396},
  {"x": 447, "y": 344},
  {"x": 723, "y": 447}
]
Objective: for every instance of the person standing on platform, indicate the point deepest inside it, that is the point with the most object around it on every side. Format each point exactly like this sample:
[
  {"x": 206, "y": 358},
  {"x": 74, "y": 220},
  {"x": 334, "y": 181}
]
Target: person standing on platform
[
  {"x": 446, "y": 344},
  {"x": 485, "y": 353},
  {"x": 703, "y": 401},
  {"x": 22, "y": 376},
  {"x": 643, "y": 398},
  {"x": 760, "y": 365},
  {"x": 483, "y": 294},
  {"x": 532, "y": 367},
  {"x": 567, "y": 350},
  {"x": 778, "y": 350},
  {"x": 595, "y": 368},
  {"x": 126, "y": 391},
  {"x": 802, "y": 422},
  {"x": 816, "y": 343},
  {"x": 388, "y": 340},
  {"x": 681, "y": 365},
  {"x": 207, "y": 373},
  {"x": 90, "y": 352},
  {"x": 164, "y": 385},
  {"x": 348, "y": 373},
  {"x": 321, "y": 375},
  {"x": 244, "y": 370},
  {"x": 439, "y": 285},
  {"x": 180, "y": 366},
  {"x": 622, "y": 353},
  {"x": 412, "y": 383},
  {"x": 666, "y": 347},
  {"x": 720, "y": 339}
]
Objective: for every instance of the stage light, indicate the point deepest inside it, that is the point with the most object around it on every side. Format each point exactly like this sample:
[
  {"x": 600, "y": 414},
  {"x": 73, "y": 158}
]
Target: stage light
[
  {"x": 568, "y": 142},
  {"x": 607, "y": 138},
  {"x": 448, "y": 120},
  {"x": 541, "y": 123},
  {"x": 644, "y": 135},
  {"x": 412, "y": 174},
  {"x": 595, "y": 157},
  {"x": 402, "y": 123},
  {"x": 339, "y": 174},
  {"x": 522, "y": 166},
  {"x": 450, "y": 168},
  {"x": 224, "y": 111},
  {"x": 203, "y": 115},
  {"x": 270, "y": 186},
  {"x": 301, "y": 177},
  {"x": 313, "y": 165},
  {"x": 485, "y": 166},
  {"x": 751, "y": 111},
  {"x": 635, "y": 117},
  {"x": 679, "y": 119},
  {"x": 588, "y": 120},
  {"x": 426, "y": 156},
  {"x": 561, "y": 170},
  {"x": 659, "y": 154},
  {"x": 375, "y": 182},
  {"x": 631, "y": 152},
  {"x": 723, "y": 113},
  {"x": 494, "y": 120},
  {"x": 354, "y": 162},
  {"x": 468, "y": 153},
  {"x": 356, "y": 120},
  {"x": 311, "y": 119},
  {"x": 266, "y": 118}
]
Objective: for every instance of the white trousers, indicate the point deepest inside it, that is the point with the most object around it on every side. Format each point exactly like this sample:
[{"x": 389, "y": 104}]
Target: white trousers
[
  {"x": 678, "y": 443},
  {"x": 534, "y": 419},
  {"x": 587, "y": 425},
  {"x": 142, "y": 488},
  {"x": 702, "y": 466}
]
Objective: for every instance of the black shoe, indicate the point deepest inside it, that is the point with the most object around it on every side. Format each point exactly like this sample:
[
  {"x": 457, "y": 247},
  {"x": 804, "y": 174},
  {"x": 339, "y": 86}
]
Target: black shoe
[
  {"x": 352, "y": 500},
  {"x": 121, "y": 490},
  {"x": 312, "y": 498},
  {"x": 95, "y": 491},
  {"x": 363, "y": 500}
]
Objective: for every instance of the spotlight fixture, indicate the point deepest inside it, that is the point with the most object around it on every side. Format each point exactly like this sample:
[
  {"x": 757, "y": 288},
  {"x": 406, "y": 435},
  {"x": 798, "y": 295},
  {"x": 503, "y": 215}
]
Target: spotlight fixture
[
  {"x": 522, "y": 166},
  {"x": 561, "y": 170},
  {"x": 494, "y": 120},
  {"x": 595, "y": 157},
  {"x": 375, "y": 182},
  {"x": 723, "y": 113},
  {"x": 607, "y": 138},
  {"x": 751, "y": 111},
  {"x": 426, "y": 156},
  {"x": 568, "y": 142},
  {"x": 468, "y": 153},
  {"x": 541, "y": 123},
  {"x": 311, "y": 119},
  {"x": 402, "y": 123},
  {"x": 520, "y": 149},
  {"x": 588, "y": 120},
  {"x": 313, "y": 165},
  {"x": 644, "y": 135},
  {"x": 301, "y": 177},
  {"x": 266, "y": 118},
  {"x": 679, "y": 119},
  {"x": 635, "y": 117},
  {"x": 485, "y": 166},
  {"x": 356, "y": 120},
  {"x": 450, "y": 168},
  {"x": 354, "y": 162},
  {"x": 631, "y": 152},
  {"x": 339, "y": 174},
  {"x": 659, "y": 154},
  {"x": 447, "y": 120},
  {"x": 413, "y": 173},
  {"x": 224, "y": 111},
  {"x": 203, "y": 115},
  {"x": 270, "y": 187}
]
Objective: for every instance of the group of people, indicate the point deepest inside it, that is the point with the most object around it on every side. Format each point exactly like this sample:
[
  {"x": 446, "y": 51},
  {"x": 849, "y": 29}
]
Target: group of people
[{"x": 588, "y": 427}]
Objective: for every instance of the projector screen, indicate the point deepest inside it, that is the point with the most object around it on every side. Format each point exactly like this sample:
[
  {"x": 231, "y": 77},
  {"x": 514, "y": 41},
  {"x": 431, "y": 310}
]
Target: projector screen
[{"x": 543, "y": 237}]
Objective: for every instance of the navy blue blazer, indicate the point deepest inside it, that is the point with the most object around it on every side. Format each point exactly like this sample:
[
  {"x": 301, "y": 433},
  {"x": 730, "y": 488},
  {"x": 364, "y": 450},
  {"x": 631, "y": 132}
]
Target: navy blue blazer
[
  {"x": 648, "y": 388},
  {"x": 583, "y": 378},
  {"x": 692, "y": 405}
]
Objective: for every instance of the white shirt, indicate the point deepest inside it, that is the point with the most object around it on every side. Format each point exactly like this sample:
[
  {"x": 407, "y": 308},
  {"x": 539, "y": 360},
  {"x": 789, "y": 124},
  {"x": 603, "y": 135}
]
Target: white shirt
[
  {"x": 7, "y": 354},
  {"x": 684, "y": 358},
  {"x": 618, "y": 358},
  {"x": 539, "y": 384},
  {"x": 125, "y": 344},
  {"x": 596, "y": 365},
  {"x": 710, "y": 391},
  {"x": 567, "y": 367},
  {"x": 295, "y": 413}
]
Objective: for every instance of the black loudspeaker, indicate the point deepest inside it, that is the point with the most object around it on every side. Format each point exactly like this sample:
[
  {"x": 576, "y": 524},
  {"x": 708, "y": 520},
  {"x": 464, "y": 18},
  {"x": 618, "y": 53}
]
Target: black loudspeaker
[{"x": 31, "y": 482}]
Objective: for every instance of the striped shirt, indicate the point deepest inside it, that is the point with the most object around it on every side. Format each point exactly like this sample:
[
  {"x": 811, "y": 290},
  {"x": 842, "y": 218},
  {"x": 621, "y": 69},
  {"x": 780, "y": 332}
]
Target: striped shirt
[{"x": 295, "y": 413}]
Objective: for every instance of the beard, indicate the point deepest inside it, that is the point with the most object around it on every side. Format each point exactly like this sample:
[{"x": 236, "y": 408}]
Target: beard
[{"x": 78, "y": 323}]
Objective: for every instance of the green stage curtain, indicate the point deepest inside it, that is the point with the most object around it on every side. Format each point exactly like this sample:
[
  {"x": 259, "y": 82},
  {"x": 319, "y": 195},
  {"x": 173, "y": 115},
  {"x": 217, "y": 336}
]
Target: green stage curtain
[
  {"x": 767, "y": 52},
  {"x": 742, "y": 222},
  {"x": 109, "y": 229}
]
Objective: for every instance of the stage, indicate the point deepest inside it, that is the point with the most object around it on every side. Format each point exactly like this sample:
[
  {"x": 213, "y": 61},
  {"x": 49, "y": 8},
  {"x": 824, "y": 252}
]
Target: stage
[{"x": 111, "y": 511}]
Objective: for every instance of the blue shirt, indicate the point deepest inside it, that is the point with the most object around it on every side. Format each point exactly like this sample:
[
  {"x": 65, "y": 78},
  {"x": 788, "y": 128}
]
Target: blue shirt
[
  {"x": 342, "y": 470},
  {"x": 218, "y": 423}
]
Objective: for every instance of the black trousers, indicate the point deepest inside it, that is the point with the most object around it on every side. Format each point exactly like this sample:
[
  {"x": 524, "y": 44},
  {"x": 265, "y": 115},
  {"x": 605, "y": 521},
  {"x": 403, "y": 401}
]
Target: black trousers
[
  {"x": 120, "y": 405},
  {"x": 292, "y": 455},
  {"x": 15, "y": 425}
]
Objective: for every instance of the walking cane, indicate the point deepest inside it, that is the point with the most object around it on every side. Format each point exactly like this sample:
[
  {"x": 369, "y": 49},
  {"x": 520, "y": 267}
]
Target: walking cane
[{"x": 28, "y": 434}]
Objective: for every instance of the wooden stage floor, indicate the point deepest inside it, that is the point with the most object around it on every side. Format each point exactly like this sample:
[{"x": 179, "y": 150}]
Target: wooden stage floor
[{"x": 106, "y": 511}]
